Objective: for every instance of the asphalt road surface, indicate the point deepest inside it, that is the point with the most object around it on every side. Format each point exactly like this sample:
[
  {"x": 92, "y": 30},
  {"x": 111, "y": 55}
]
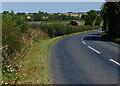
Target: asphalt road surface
[{"x": 86, "y": 58}]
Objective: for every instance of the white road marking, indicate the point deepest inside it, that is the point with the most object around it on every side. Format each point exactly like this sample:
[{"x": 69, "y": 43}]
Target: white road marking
[
  {"x": 89, "y": 46},
  {"x": 115, "y": 62},
  {"x": 94, "y": 50},
  {"x": 83, "y": 42},
  {"x": 81, "y": 38}
]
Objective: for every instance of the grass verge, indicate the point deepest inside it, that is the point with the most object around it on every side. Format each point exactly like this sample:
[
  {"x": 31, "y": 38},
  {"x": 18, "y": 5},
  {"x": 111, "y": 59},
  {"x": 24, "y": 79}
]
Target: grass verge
[{"x": 35, "y": 67}]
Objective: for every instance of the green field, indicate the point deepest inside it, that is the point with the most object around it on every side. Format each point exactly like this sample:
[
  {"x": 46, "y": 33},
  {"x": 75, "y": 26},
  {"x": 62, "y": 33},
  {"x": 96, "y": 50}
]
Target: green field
[{"x": 58, "y": 21}]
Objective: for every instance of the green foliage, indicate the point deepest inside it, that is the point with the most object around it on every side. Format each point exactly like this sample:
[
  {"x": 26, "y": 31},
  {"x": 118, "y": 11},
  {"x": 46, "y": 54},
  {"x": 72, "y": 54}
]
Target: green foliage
[
  {"x": 98, "y": 20},
  {"x": 90, "y": 18},
  {"x": 104, "y": 17},
  {"x": 12, "y": 43},
  {"x": 16, "y": 37},
  {"x": 83, "y": 17},
  {"x": 111, "y": 16},
  {"x": 37, "y": 16},
  {"x": 22, "y": 14},
  {"x": 62, "y": 17},
  {"x": 11, "y": 34},
  {"x": 5, "y": 12},
  {"x": 14, "y": 30},
  {"x": 12, "y": 12},
  {"x": 43, "y": 16},
  {"x": 54, "y": 30}
]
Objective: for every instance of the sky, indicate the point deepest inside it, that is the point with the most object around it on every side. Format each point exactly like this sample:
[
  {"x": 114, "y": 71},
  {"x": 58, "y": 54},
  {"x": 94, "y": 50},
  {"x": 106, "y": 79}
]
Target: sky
[
  {"x": 51, "y": 7},
  {"x": 54, "y": 0}
]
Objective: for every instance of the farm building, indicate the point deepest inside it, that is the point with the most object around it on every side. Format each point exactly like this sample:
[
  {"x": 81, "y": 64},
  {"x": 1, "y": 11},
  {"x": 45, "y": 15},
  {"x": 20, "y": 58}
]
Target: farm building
[{"x": 73, "y": 22}]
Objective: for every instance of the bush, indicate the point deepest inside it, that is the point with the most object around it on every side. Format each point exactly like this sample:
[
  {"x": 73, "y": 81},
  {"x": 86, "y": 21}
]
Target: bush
[
  {"x": 54, "y": 30},
  {"x": 11, "y": 35},
  {"x": 12, "y": 43},
  {"x": 16, "y": 38}
]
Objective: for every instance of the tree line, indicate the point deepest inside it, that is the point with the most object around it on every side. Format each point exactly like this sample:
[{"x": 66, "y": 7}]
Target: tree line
[
  {"x": 111, "y": 19},
  {"x": 44, "y": 16},
  {"x": 108, "y": 17},
  {"x": 93, "y": 18}
]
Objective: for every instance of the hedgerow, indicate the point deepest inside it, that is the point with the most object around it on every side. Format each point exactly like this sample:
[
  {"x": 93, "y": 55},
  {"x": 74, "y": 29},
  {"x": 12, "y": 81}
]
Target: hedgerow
[
  {"x": 17, "y": 36},
  {"x": 54, "y": 30}
]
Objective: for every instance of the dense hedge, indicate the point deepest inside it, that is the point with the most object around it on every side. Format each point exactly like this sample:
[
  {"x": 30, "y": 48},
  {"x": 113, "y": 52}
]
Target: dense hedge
[
  {"x": 12, "y": 29},
  {"x": 11, "y": 34},
  {"x": 54, "y": 30},
  {"x": 16, "y": 38}
]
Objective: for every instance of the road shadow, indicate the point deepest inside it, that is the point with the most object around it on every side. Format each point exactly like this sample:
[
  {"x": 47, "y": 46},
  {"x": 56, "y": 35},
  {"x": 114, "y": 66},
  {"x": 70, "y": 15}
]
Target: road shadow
[{"x": 96, "y": 37}]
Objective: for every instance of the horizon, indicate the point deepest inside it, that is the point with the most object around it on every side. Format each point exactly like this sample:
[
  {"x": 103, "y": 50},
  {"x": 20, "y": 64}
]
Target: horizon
[{"x": 51, "y": 7}]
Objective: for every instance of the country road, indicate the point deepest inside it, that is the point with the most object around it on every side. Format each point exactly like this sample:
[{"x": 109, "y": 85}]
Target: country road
[{"x": 85, "y": 58}]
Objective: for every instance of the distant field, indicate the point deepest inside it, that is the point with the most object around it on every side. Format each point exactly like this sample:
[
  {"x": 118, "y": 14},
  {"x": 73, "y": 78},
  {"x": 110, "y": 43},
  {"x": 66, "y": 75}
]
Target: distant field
[
  {"x": 59, "y": 21},
  {"x": 56, "y": 22}
]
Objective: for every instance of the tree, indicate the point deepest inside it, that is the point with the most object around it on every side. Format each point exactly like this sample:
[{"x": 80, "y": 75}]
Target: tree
[
  {"x": 21, "y": 14},
  {"x": 104, "y": 17},
  {"x": 98, "y": 20},
  {"x": 37, "y": 17},
  {"x": 12, "y": 12},
  {"x": 83, "y": 17},
  {"x": 90, "y": 18},
  {"x": 5, "y": 12},
  {"x": 111, "y": 16},
  {"x": 11, "y": 36}
]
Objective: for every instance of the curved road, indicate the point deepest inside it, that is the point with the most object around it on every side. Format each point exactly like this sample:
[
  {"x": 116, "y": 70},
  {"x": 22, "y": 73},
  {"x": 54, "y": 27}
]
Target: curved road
[{"x": 85, "y": 58}]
